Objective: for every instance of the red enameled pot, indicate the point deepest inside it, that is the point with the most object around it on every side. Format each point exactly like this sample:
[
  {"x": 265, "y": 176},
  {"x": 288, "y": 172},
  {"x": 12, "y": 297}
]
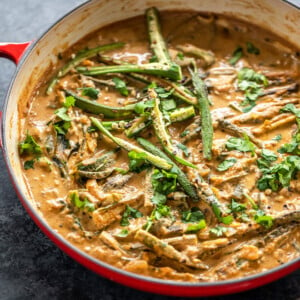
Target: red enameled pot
[{"x": 33, "y": 59}]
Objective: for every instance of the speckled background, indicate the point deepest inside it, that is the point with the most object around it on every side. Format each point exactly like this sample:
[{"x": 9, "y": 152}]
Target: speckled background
[{"x": 31, "y": 267}]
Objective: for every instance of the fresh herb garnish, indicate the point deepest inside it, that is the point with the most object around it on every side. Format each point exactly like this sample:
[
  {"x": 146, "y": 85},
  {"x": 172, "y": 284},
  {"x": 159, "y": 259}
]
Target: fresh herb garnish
[
  {"x": 180, "y": 55},
  {"x": 193, "y": 228},
  {"x": 85, "y": 204},
  {"x": 120, "y": 86},
  {"x": 168, "y": 105},
  {"x": 252, "y": 49},
  {"x": 240, "y": 144},
  {"x": 217, "y": 211},
  {"x": 62, "y": 114},
  {"x": 277, "y": 138},
  {"x": 267, "y": 157},
  {"x": 294, "y": 146},
  {"x": 69, "y": 101},
  {"x": 193, "y": 215},
  {"x": 160, "y": 211},
  {"x": 226, "y": 164},
  {"x": 163, "y": 93},
  {"x": 236, "y": 55},
  {"x": 137, "y": 161},
  {"x": 141, "y": 107},
  {"x": 163, "y": 183},
  {"x": 279, "y": 175},
  {"x": 62, "y": 127},
  {"x": 184, "y": 133},
  {"x": 236, "y": 207},
  {"x": 219, "y": 230},
  {"x": 30, "y": 146},
  {"x": 251, "y": 83},
  {"x": 90, "y": 92},
  {"x": 29, "y": 164},
  {"x": 262, "y": 219},
  {"x": 123, "y": 233},
  {"x": 130, "y": 213}
]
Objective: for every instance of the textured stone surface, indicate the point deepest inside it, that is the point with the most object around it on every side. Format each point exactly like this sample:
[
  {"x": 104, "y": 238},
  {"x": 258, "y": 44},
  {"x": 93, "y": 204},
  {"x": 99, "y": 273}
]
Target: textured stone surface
[{"x": 31, "y": 267}]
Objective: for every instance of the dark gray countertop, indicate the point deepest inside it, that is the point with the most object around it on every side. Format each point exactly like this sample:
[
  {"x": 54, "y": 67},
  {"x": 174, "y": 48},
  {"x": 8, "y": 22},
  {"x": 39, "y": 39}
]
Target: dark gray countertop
[{"x": 32, "y": 267}]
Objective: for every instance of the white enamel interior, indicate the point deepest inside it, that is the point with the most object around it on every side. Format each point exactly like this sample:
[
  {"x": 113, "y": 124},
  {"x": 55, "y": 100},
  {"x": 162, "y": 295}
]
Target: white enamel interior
[{"x": 274, "y": 15}]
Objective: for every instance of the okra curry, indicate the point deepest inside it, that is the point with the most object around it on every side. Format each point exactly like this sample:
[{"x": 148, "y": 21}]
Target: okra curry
[{"x": 169, "y": 146}]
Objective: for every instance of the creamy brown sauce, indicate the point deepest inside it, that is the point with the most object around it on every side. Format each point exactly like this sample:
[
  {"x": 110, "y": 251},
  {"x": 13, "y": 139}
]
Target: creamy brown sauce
[{"x": 219, "y": 251}]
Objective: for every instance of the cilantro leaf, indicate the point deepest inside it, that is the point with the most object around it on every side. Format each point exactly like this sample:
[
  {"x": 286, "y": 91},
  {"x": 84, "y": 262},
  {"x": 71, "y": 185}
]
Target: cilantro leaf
[
  {"x": 128, "y": 214},
  {"x": 180, "y": 55},
  {"x": 236, "y": 207},
  {"x": 193, "y": 215},
  {"x": 226, "y": 164},
  {"x": 29, "y": 146},
  {"x": 267, "y": 156},
  {"x": 236, "y": 55},
  {"x": 160, "y": 211},
  {"x": 291, "y": 108},
  {"x": 85, "y": 204},
  {"x": 193, "y": 228},
  {"x": 163, "y": 93},
  {"x": 29, "y": 164},
  {"x": 69, "y": 101},
  {"x": 159, "y": 199},
  {"x": 262, "y": 219},
  {"x": 141, "y": 107},
  {"x": 219, "y": 230},
  {"x": 251, "y": 83},
  {"x": 252, "y": 49},
  {"x": 90, "y": 92},
  {"x": 137, "y": 161},
  {"x": 225, "y": 220},
  {"x": 123, "y": 233},
  {"x": 120, "y": 86},
  {"x": 163, "y": 182},
  {"x": 62, "y": 114},
  {"x": 279, "y": 175},
  {"x": 277, "y": 138},
  {"x": 240, "y": 144},
  {"x": 168, "y": 105},
  {"x": 62, "y": 127}
]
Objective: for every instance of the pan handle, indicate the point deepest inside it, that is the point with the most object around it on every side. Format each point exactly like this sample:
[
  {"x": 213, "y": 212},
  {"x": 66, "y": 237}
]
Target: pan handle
[{"x": 13, "y": 51}]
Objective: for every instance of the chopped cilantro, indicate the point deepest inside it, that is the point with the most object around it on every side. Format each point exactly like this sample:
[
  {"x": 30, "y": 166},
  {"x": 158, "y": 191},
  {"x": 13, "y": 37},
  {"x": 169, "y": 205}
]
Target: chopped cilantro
[
  {"x": 163, "y": 93},
  {"x": 163, "y": 182},
  {"x": 279, "y": 175},
  {"x": 193, "y": 215},
  {"x": 180, "y": 55},
  {"x": 252, "y": 49},
  {"x": 120, "y": 86},
  {"x": 236, "y": 55},
  {"x": 137, "y": 161},
  {"x": 240, "y": 144},
  {"x": 85, "y": 204},
  {"x": 123, "y": 233},
  {"x": 267, "y": 156},
  {"x": 90, "y": 92},
  {"x": 69, "y": 101},
  {"x": 62, "y": 114},
  {"x": 30, "y": 146},
  {"x": 219, "y": 230},
  {"x": 226, "y": 164},
  {"x": 29, "y": 164},
  {"x": 277, "y": 138},
  {"x": 262, "y": 219},
  {"x": 62, "y": 127},
  {"x": 225, "y": 220},
  {"x": 236, "y": 207},
  {"x": 193, "y": 228},
  {"x": 168, "y": 105},
  {"x": 184, "y": 133},
  {"x": 160, "y": 211},
  {"x": 251, "y": 83},
  {"x": 128, "y": 214},
  {"x": 141, "y": 107}
]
